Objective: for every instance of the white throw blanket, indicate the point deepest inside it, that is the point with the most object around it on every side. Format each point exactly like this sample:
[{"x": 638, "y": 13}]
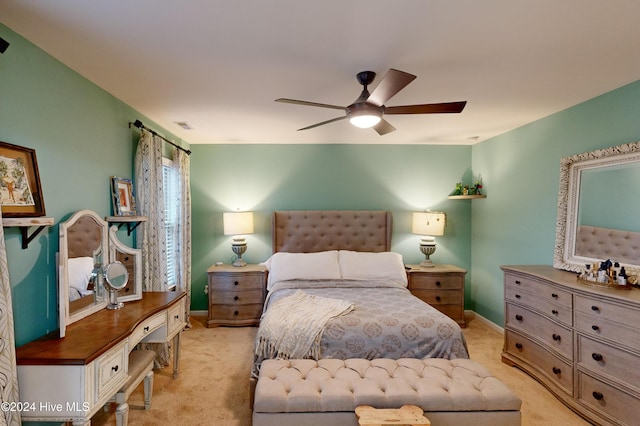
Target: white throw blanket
[{"x": 292, "y": 327}]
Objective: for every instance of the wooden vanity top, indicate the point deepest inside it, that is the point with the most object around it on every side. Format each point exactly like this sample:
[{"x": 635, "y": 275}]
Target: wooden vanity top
[{"x": 90, "y": 337}]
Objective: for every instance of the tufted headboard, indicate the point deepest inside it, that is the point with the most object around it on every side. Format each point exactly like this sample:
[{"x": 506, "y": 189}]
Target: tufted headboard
[
  {"x": 605, "y": 243},
  {"x": 84, "y": 237},
  {"x": 308, "y": 231}
]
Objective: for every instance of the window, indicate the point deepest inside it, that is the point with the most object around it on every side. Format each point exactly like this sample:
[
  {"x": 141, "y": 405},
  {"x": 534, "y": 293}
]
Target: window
[{"x": 171, "y": 208}]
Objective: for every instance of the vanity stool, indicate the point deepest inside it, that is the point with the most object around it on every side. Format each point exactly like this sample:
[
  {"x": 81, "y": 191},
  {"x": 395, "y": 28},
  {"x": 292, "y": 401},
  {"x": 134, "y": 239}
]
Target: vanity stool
[{"x": 140, "y": 368}]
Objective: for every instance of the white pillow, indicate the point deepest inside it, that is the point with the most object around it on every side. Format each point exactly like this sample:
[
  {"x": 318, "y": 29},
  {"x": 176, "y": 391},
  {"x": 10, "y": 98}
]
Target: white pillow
[
  {"x": 80, "y": 269},
  {"x": 314, "y": 266},
  {"x": 372, "y": 266}
]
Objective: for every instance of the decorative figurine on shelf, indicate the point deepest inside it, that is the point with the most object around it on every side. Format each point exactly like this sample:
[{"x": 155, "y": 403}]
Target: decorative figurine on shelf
[
  {"x": 459, "y": 189},
  {"x": 477, "y": 188}
]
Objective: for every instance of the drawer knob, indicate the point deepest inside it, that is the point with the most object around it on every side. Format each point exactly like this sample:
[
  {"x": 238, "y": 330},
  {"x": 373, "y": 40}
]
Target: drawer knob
[
  {"x": 114, "y": 368},
  {"x": 595, "y": 328},
  {"x": 596, "y": 357},
  {"x": 598, "y": 395},
  {"x": 519, "y": 346},
  {"x": 517, "y": 296},
  {"x": 438, "y": 298},
  {"x": 146, "y": 329},
  {"x": 519, "y": 317},
  {"x": 556, "y": 370},
  {"x": 236, "y": 298},
  {"x": 235, "y": 313},
  {"x": 176, "y": 317},
  {"x": 518, "y": 282},
  {"x": 595, "y": 308},
  {"x": 438, "y": 284},
  {"x": 554, "y": 295},
  {"x": 236, "y": 283},
  {"x": 554, "y": 312},
  {"x": 556, "y": 337}
]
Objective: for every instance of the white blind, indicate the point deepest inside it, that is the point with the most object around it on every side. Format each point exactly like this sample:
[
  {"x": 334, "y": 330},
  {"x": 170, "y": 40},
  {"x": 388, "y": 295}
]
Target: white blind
[{"x": 170, "y": 184}]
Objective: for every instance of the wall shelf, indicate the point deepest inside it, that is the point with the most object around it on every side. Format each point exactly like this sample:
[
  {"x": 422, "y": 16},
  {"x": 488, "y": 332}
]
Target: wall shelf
[
  {"x": 24, "y": 223},
  {"x": 132, "y": 222},
  {"x": 465, "y": 197}
]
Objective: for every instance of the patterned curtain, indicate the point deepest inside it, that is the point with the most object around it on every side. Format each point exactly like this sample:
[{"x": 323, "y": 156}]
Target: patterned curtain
[
  {"x": 183, "y": 249},
  {"x": 8, "y": 373},
  {"x": 151, "y": 238}
]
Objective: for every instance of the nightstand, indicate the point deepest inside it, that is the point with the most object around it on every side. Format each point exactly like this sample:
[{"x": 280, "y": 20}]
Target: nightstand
[
  {"x": 442, "y": 287},
  {"x": 236, "y": 294}
]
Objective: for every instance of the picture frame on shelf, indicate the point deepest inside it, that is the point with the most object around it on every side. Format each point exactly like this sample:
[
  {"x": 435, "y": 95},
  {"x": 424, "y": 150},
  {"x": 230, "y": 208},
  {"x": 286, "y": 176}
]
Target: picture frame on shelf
[
  {"x": 124, "y": 202},
  {"x": 20, "y": 187}
]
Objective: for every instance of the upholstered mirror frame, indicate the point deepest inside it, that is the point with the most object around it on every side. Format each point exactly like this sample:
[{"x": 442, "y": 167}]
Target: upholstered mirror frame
[{"x": 568, "y": 232}]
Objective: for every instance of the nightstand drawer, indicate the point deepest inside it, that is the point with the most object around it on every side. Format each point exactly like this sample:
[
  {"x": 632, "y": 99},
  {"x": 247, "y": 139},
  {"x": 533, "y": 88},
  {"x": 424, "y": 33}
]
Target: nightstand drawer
[
  {"x": 439, "y": 297},
  {"x": 434, "y": 282},
  {"x": 229, "y": 313},
  {"x": 236, "y": 282},
  {"x": 237, "y": 297}
]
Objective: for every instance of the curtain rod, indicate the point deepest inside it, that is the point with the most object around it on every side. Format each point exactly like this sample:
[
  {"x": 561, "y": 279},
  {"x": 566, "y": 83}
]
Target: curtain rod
[{"x": 139, "y": 125}]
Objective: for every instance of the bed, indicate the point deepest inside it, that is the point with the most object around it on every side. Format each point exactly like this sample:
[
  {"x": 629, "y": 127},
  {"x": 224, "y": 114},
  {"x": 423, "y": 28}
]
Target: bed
[{"x": 335, "y": 290}]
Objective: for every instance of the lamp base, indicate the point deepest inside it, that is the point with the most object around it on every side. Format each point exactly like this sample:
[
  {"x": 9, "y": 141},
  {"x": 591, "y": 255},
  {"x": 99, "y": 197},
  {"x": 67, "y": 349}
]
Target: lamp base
[
  {"x": 239, "y": 246},
  {"x": 427, "y": 249},
  {"x": 427, "y": 263},
  {"x": 239, "y": 262}
]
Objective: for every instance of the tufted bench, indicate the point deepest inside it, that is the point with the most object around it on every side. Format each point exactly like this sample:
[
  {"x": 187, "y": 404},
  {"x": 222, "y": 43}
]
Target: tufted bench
[{"x": 326, "y": 392}]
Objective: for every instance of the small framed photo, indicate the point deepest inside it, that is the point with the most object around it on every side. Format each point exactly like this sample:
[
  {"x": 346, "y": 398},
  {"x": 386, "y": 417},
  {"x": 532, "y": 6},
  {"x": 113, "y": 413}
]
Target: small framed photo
[
  {"x": 20, "y": 189},
  {"x": 124, "y": 203}
]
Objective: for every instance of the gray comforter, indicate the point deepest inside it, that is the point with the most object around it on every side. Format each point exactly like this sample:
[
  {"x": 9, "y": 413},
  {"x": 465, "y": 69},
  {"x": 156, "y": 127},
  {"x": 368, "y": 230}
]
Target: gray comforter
[{"x": 387, "y": 322}]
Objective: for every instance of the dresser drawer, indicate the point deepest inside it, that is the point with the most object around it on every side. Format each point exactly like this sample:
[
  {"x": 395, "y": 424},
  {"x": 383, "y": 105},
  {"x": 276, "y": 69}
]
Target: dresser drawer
[
  {"x": 434, "y": 281},
  {"x": 176, "y": 318},
  {"x": 541, "y": 360},
  {"x": 600, "y": 327},
  {"x": 552, "y": 309},
  {"x": 111, "y": 371},
  {"x": 540, "y": 289},
  {"x": 147, "y": 327},
  {"x": 439, "y": 297},
  {"x": 237, "y": 297},
  {"x": 228, "y": 313},
  {"x": 608, "y": 400},
  {"x": 235, "y": 282},
  {"x": 554, "y": 335},
  {"x": 606, "y": 360}
]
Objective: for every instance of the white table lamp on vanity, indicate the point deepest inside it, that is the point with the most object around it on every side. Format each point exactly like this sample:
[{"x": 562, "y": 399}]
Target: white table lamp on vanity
[
  {"x": 238, "y": 224},
  {"x": 430, "y": 225}
]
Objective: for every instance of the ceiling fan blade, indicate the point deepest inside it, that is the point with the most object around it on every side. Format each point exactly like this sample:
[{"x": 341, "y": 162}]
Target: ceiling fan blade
[
  {"x": 392, "y": 82},
  {"x": 323, "y": 123},
  {"x": 383, "y": 127},
  {"x": 307, "y": 103},
  {"x": 447, "y": 107}
]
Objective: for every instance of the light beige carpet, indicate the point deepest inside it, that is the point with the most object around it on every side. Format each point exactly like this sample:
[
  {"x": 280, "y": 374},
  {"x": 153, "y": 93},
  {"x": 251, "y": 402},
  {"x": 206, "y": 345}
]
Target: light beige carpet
[{"x": 213, "y": 385}]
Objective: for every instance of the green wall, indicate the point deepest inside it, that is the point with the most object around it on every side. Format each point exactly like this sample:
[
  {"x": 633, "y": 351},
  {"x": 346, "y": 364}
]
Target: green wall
[
  {"x": 521, "y": 170},
  {"x": 264, "y": 178},
  {"x": 81, "y": 137}
]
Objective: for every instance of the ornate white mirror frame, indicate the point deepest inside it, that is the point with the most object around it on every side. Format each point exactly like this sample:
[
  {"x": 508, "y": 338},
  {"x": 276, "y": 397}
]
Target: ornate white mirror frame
[
  {"x": 85, "y": 237},
  {"x": 602, "y": 241}
]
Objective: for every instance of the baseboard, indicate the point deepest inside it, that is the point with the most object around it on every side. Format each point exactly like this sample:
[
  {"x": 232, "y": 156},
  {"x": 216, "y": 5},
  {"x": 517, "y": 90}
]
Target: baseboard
[{"x": 490, "y": 324}]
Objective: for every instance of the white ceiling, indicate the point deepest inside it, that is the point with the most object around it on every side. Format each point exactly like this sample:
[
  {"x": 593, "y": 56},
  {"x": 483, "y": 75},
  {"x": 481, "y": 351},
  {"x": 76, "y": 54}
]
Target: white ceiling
[{"x": 219, "y": 65}]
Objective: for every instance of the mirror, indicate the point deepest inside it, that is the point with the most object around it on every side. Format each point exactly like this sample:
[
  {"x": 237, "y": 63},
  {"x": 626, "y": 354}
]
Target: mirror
[
  {"x": 131, "y": 258},
  {"x": 115, "y": 279},
  {"x": 598, "y": 201},
  {"x": 83, "y": 249}
]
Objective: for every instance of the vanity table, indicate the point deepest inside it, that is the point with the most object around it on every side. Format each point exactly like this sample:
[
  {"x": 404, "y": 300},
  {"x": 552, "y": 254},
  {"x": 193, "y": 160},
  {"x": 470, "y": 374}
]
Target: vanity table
[{"x": 71, "y": 378}]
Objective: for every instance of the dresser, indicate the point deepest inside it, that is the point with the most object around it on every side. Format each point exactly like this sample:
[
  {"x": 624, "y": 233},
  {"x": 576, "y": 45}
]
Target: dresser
[
  {"x": 236, "y": 294},
  {"x": 441, "y": 286},
  {"x": 70, "y": 379},
  {"x": 582, "y": 342}
]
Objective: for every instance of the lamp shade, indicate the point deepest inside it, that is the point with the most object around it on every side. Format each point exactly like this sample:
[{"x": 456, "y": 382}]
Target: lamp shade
[
  {"x": 428, "y": 223},
  {"x": 237, "y": 223}
]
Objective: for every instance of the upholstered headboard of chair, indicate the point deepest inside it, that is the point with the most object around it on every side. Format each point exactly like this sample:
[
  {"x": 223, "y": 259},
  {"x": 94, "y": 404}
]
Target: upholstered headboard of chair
[
  {"x": 308, "y": 231},
  {"x": 605, "y": 243}
]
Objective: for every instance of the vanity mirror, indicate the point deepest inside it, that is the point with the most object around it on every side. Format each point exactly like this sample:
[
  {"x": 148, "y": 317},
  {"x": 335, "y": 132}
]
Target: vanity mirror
[
  {"x": 85, "y": 249},
  {"x": 598, "y": 204}
]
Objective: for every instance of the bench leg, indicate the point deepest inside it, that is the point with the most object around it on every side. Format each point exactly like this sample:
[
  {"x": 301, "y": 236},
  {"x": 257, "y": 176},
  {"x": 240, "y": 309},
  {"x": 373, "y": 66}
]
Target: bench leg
[
  {"x": 122, "y": 414},
  {"x": 148, "y": 390}
]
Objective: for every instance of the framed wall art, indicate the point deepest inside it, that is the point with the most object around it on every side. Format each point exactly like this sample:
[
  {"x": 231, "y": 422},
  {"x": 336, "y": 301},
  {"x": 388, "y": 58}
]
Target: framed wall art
[
  {"x": 124, "y": 203},
  {"x": 20, "y": 189}
]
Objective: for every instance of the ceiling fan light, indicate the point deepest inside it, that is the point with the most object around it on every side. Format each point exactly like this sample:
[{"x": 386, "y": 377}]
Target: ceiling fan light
[{"x": 364, "y": 121}]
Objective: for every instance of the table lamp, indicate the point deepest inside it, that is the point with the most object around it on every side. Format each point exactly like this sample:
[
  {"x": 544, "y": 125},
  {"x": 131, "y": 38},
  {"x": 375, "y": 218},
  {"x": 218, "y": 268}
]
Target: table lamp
[
  {"x": 238, "y": 224},
  {"x": 430, "y": 225}
]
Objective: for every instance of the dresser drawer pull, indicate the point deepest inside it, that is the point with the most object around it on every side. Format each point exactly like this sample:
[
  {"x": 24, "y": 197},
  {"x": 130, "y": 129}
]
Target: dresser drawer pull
[
  {"x": 556, "y": 337},
  {"x": 598, "y": 395},
  {"x": 519, "y": 317},
  {"x": 236, "y": 298},
  {"x": 235, "y": 313},
  {"x": 595, "y": 328},
  {"x": 438, "y": 284},
  {"x": 236, "y": 283},
  {"x": 595, "y": 308},
  {"x": 597, "y": 357},
  {"x": 518, "y": 296},
  {"x": 554, "y": 295},
  {"x": 114, "y": 368},
  {"x": 146, "y": 329},
  {"x": 556, "y": 370},
  {"x": 554, "y": 312},
  {"x": 518, "y": 282},
  {"x": 176, "y": 316},
  {"x": 438, "y": 298},
  {"x": 519, "y": 346}
]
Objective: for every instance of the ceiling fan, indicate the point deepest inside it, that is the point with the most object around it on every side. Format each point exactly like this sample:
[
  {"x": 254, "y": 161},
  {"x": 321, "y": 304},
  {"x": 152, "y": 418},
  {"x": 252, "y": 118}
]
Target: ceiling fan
[{"x": 368, "y": 109}]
